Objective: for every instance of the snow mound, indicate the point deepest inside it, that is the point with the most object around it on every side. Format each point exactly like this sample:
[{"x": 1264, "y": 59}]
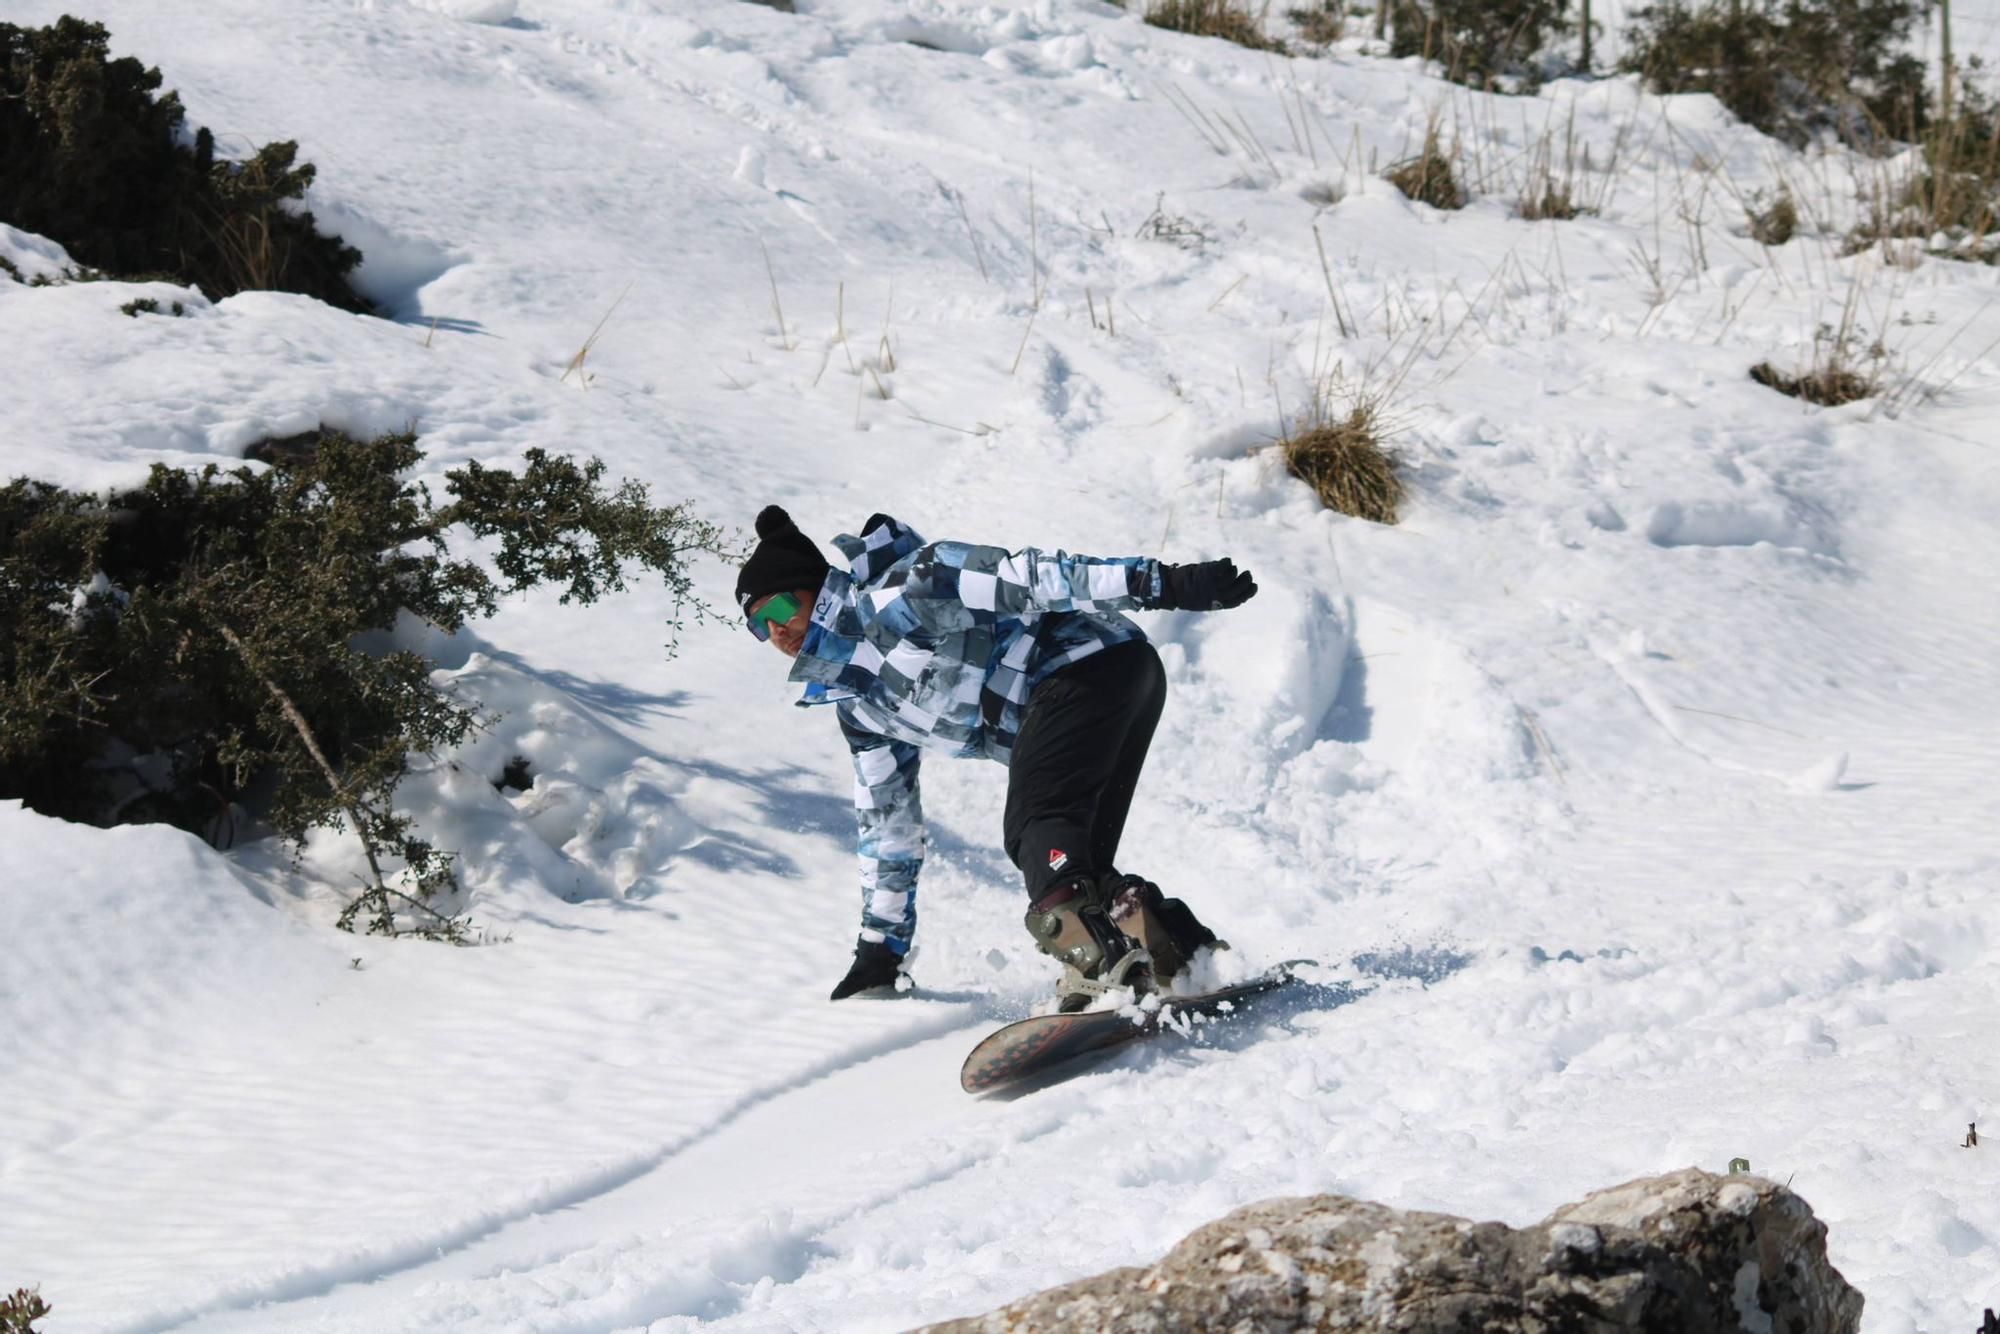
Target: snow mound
[
  {"x": 472, "y": 11},
  {"x": 30, "y": 257}
]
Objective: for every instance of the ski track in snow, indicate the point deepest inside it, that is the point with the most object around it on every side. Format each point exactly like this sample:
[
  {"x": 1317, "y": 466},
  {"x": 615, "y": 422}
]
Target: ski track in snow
[
  {"x": 1638, "y": 786},
  {"x": 472, "y": 1245}
]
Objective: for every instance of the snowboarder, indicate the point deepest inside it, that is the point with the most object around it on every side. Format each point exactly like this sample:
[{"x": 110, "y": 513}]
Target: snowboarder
[{"x": 1021, "y": 657}]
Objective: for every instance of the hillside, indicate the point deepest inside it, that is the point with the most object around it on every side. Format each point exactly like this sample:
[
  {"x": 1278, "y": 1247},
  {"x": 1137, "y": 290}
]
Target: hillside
[{"x": 1638, "y": 784}]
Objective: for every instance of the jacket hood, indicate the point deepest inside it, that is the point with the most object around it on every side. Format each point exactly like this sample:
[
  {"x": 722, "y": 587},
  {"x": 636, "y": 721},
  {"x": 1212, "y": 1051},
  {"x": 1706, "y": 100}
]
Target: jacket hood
[
  {"x": 883, "y": 542},
  {"x": 825, "y": 657}
]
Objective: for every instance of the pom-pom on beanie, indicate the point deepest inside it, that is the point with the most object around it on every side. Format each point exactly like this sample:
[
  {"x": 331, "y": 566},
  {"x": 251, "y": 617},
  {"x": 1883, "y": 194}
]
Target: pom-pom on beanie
[{"x": 785, "y": 560}]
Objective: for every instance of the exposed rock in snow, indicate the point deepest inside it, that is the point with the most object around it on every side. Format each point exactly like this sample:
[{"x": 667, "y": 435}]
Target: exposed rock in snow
[{"x": 1688, "y": 1251}]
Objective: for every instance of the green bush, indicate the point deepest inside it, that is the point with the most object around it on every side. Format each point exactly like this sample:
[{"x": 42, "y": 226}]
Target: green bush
[
  {"x": 1480, "y": 42},
  {"x": 19, "y": 1312},
  {"x": 90, "y": 158},
  {"x": 169, "y": 651},
  {"x": 1795, "y": 70}
]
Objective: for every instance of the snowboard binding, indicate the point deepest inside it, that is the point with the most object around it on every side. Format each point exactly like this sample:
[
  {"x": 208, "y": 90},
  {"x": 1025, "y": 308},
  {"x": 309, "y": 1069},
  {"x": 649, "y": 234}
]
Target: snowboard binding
[
  {"x": 1072, "y": 923},
  {"x": 1166, "y": 929}
]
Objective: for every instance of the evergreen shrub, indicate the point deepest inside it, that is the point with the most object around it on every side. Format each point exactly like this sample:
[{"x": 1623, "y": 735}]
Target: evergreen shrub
[
  {"x": 92, "y": 159},
  {"x": 1795, "y": 69},
  {"x": 170, "y": 652},
  {"x": 1480, "y": 42},
  {"x": 19, "y": 1312}
]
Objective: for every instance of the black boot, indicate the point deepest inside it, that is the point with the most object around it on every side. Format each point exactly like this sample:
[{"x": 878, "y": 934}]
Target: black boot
[
  {"x": 1070, "y": 923},
  {"x": 1165, "y": 928},
  {"x": 874, "y": 973}
]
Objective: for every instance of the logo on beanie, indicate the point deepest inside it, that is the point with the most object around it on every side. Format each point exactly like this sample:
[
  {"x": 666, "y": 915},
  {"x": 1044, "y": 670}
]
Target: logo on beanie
[{"x": 1058, "y": 859}]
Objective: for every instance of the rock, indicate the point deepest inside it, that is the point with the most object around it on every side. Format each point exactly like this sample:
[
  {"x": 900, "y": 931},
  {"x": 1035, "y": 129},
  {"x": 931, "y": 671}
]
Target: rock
[{"x": 1688, "y": 1252}]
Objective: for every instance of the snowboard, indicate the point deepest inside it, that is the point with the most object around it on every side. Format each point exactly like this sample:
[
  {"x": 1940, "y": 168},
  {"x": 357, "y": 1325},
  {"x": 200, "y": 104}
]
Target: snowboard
[{"x": 1033, "y": 1048}]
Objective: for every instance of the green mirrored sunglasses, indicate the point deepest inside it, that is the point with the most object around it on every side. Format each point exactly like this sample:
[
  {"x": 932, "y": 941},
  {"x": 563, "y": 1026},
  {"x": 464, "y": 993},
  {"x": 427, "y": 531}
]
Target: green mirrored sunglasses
[{"x": 776, "y": 610}]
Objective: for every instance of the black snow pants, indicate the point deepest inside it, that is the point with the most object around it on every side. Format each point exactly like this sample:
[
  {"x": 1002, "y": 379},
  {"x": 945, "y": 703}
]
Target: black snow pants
[{"x": 1076, "y": 763}]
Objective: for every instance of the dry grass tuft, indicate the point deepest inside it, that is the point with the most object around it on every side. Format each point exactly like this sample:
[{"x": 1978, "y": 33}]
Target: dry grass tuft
[
  {"x": 1828, "y": 386},
  {"x": 1548, "y": 200},
  {"x": 1845, "y": 367},
  {"x": 1774, "y": 223},
  {"x": 1322, "y": 194},
  {"x": 1428, "y": 177},
  {"x": 1344, "y": 462},
  {"x": 576, "y": 368},
  {"x": 1320, "y": 25},
  {"x": 1549, "y": 191},
  {"x": 1231, "y": 20},
  {"x": 1943, "y": 199},
  {"x": 1176, "y": 230}
]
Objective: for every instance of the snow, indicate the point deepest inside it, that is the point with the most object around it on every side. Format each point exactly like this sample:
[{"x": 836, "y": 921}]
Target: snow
[
  {"x": 472, "y": 11},
  {"x": 31, "y": 257},
  {"x": 1639, "y": 786}
]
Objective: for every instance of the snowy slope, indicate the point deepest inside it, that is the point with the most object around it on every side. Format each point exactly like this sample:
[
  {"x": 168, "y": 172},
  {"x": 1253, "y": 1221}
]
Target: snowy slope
[{"x": 1641, "y": 782}]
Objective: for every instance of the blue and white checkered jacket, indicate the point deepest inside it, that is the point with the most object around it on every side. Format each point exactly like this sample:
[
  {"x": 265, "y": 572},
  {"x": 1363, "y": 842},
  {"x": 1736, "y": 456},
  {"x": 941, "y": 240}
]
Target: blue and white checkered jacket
[{"x": 937, "y": 646}]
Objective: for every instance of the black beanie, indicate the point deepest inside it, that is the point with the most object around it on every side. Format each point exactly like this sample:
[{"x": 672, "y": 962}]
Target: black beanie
[{"x": 785, "y": 560}]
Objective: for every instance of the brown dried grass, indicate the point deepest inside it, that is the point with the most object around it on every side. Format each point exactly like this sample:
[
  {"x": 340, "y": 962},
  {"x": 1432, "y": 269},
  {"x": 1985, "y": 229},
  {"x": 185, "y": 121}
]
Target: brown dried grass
[
  {"x": 1344, "y": 462},
  {"x": 1428, "y": 177},
  {"x": 1828, "y": 386},
  {"x": 1231, "y": 20}
]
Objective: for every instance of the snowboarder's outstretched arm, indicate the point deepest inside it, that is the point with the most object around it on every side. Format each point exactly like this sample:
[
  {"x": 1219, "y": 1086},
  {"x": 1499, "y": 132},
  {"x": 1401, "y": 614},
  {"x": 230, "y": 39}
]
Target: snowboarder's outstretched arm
[
  {"x": 889, "y": 833},
  {"x": 955, "y": 585}
]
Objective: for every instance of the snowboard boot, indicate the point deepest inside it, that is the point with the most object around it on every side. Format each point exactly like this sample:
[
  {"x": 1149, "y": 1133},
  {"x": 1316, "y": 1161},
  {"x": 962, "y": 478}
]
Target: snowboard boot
[
  {"x": 1070, "y": 923},
  {"x": 874, "y": 973},
  {"x": 1165, "y": 928}
]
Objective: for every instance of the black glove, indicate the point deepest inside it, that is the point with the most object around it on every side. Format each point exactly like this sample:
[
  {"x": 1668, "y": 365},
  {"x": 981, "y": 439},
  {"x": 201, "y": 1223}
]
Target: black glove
[{"x": 1206, "y": 586}]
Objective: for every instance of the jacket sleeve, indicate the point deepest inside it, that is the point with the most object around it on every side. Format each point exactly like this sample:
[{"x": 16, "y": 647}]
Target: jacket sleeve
[
  {"x": 889, "y": 833},
  {"x": 954, "y": 585}
]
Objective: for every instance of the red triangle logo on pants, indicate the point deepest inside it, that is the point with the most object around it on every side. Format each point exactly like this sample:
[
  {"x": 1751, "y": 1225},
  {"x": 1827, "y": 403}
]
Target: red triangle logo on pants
[{"x": 1057, "y": 859}]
